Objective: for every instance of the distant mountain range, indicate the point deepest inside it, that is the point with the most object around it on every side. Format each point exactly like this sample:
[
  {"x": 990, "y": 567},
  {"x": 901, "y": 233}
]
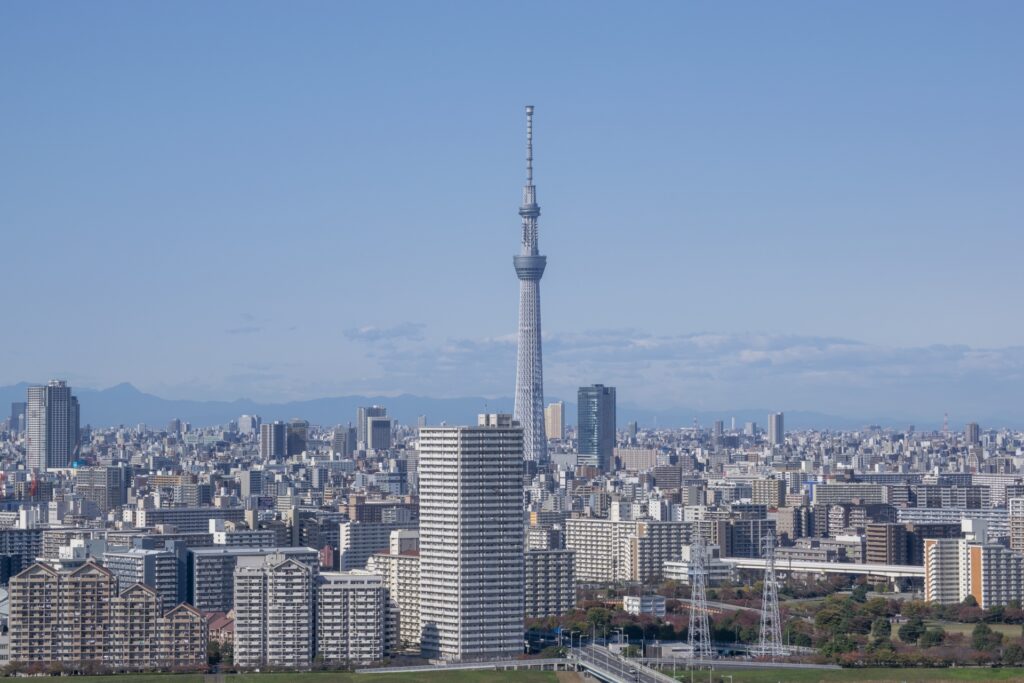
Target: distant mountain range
[{"x": 124, "y": 404}]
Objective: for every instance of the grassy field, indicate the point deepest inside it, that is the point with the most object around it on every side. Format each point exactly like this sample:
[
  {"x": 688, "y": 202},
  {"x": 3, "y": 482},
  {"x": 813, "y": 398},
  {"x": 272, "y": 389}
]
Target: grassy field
[
  {"x": 333, "y": 677},
  {"x": 1008, "y": 630},
  {"x": 766, "y": 675},
  {"x": 861, "y": 675}
]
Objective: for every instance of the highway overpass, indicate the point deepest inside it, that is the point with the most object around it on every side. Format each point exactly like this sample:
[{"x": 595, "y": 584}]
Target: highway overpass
[{"x": 891, "y": 571}]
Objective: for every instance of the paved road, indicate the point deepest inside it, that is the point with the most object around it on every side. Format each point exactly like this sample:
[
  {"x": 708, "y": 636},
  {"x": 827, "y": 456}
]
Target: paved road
[
  {"x": 606, "y": 664},
  {"x": 496, "y": 665}
]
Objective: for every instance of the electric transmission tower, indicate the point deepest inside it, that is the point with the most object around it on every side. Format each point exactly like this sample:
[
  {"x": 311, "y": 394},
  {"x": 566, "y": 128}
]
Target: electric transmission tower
[
  {"x": 699, "y": 629},
  {"x": 771, "y": 622}
]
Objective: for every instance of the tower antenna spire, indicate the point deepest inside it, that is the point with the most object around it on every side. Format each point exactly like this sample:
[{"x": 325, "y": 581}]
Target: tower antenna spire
[
  {"x": 529, "y": 144},
  {"x": 529, "y": 211}
]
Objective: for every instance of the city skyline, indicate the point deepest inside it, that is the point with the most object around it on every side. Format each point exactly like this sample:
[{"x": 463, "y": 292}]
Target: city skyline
[
  {"x": 783, "y": 379},
  {"x": 733, "y": 231}
]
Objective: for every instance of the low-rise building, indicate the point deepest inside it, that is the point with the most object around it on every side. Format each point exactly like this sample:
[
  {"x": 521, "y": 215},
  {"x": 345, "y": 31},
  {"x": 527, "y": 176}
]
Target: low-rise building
[
  {"x": 644, "y": 604},
  {"x": 684, "y": 569}
]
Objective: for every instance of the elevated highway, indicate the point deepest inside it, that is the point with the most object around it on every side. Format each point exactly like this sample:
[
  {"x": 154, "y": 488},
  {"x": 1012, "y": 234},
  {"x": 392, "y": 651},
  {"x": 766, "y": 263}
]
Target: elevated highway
[{"x": 891, "y": 571}]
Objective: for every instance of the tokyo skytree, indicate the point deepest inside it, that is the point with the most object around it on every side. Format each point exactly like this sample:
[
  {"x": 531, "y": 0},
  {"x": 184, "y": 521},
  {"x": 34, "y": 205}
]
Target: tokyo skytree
[{"x": 529, "y": 264}]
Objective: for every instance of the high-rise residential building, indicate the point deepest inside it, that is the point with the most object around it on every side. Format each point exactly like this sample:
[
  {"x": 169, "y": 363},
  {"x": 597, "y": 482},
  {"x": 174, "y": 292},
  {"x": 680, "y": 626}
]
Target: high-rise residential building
[
  {"x": 554, "y": 421},
  {"x": 1016, "y": 520},
  {"x": 274, "y": 608},
  {"x": 885, "y": 543},
  {"x": 358, "y": 540},
  {"x": 400, "y": 567},
  {"x": 103, "y": 485},
  {"x": 297, "y": 436},
  {"x": 608, "y": 550},
  {"x": 211, "y": 571},
  {"x": 378, "y": 433},
  {"x": 596, "y": 426},
  {"x": 273, "y": 440},
  {"x": 768, "y": 492},
  {"x": 17, "y": 422},
  {"x": 158, "y": 569},
  {"x": 362, "y": 415},
  {"x": 955, "y": 568},
  {"x": 471, "y": 540},
  {"x": 972, "y": 433},
  {"x": 776, "y": 429},
  {"x": 61, "y": 615},
  {"x": 145, "y": 635},
  {"x": 350, "y": 617},
  {"x": 529, "y": 265},
  {"x": 52, "y": 417}
]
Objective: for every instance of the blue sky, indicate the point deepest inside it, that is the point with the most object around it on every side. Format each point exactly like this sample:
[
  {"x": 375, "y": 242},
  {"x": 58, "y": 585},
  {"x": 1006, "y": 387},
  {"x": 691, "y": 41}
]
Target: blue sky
[{"x": 788, "y": 205}]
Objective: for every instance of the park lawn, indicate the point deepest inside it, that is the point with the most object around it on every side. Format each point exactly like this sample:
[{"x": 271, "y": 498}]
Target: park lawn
[
  {"x": 481, "y": 676},
  {"x": 1008, "y": 630},
  {"x": 336, "y": 677},
  {"x": 769, "y": 675}
]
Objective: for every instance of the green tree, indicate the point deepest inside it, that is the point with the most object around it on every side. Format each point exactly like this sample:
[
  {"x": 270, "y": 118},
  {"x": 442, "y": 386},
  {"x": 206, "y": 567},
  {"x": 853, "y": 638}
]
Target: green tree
[
  {"x": 881, "y": 628},
  {"x": 598, "y": 616},
  {"x": 969, "y": 601},
  {"x": 1013, "y": 655},
  {"x": 860, "y": 593},
  {"x": 911, "y": 631},
  {"x": 932, "y": 638},
  {"x": 984, "y": 638},
  {"x": 995, "y": 614},
  {"x": 213, "y": 655}
]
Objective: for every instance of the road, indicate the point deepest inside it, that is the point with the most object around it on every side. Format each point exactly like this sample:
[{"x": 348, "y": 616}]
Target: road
[{"x": 609, "y": 666}]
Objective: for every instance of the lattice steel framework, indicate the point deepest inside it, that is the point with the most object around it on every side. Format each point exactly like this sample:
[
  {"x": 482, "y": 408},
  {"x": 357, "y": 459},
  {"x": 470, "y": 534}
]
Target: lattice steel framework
[
  {"x": 529, "y": 265},
  {"x": 770, "y": 644},
  {"x": 699, "y": 630}
]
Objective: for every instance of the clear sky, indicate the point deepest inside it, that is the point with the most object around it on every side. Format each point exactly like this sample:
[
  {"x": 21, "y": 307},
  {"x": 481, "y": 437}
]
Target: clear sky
[{"x": 790, "y": 205}]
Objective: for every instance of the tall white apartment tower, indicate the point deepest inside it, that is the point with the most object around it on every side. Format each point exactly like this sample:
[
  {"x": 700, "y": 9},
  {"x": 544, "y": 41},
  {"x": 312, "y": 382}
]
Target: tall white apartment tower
[
  {"x": 53, "y": 426},
  {"x": 471, "y": 540}
]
